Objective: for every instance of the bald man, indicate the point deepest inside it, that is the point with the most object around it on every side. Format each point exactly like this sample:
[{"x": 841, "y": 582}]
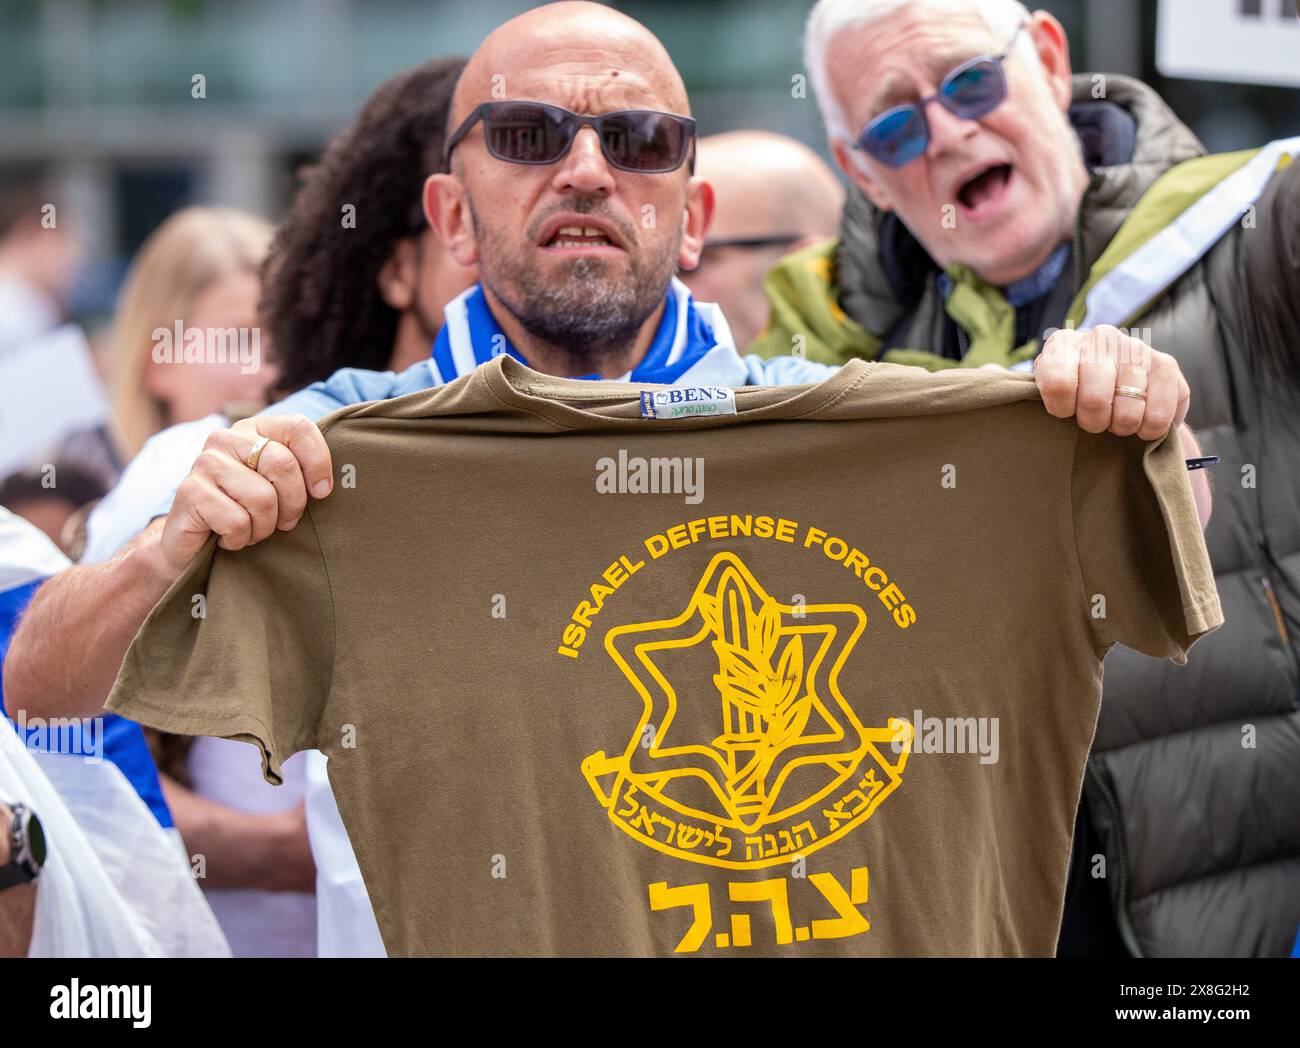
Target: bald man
[
  {"x": 577, "y": 236},
  {"x": 773, "y": 195}
]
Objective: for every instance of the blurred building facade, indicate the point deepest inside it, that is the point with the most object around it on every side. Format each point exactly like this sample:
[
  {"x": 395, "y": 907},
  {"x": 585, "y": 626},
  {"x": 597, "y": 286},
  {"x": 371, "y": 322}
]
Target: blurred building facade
[{"x": 138, "y": 107}]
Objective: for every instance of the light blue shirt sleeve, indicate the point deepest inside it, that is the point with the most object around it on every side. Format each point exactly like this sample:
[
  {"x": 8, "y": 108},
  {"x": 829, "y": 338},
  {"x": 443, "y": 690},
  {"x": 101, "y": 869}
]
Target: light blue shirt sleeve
[
  {"x": 349, "y": 386},
  {"x": 785, "y": 371}
]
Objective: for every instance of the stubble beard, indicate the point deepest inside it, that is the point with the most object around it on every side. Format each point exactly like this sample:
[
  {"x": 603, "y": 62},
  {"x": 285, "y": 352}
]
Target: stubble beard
[{"x": 589, "y": 312}]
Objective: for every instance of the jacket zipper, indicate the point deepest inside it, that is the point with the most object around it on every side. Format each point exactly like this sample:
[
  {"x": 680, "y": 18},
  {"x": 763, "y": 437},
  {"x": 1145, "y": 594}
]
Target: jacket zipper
[{"x": 1122, "y": 921}]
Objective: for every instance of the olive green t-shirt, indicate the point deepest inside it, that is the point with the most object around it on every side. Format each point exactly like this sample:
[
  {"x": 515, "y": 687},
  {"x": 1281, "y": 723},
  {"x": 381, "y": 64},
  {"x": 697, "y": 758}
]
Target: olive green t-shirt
[{"x": 815, "y": 677}]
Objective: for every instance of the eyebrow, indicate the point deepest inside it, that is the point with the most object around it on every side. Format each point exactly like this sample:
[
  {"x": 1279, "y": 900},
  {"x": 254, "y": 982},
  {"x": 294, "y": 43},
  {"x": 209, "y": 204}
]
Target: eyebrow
[{"x": 896, "y": 91}]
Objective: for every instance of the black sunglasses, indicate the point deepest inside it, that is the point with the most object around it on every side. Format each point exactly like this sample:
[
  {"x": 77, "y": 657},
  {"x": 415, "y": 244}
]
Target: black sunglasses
[
  {"x": 643, "y": 141},
  {"x": 972, "y": 90}
]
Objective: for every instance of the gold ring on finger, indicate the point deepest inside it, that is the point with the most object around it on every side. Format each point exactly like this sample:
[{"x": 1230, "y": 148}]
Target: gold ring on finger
[
  {"x": 255, "y": 455},
  {"x": 1131, "y": 391}
]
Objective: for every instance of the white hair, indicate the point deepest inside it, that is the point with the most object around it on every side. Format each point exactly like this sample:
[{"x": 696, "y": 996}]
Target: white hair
[{"x": 829, "y": 18}]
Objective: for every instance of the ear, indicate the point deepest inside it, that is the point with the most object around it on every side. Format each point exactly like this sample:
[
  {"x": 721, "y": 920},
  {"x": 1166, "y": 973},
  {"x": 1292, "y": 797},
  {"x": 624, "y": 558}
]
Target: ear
[
  {"x": 854, "y": 168},
  {"x": 398, "y": 276},
  {"x": 696, "y": 220},
  {"x": 1053, "y": 54},
  {"x": 447, "y": 208}
]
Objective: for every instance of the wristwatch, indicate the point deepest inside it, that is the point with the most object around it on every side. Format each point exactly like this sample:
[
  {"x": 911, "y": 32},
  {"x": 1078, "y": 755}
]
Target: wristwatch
[{"x": 26, "y": 848}]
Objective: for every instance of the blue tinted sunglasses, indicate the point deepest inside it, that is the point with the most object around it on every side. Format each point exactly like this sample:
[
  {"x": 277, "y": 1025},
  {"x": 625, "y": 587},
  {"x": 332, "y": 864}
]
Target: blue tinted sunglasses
[{"x": 972, "y": 90}]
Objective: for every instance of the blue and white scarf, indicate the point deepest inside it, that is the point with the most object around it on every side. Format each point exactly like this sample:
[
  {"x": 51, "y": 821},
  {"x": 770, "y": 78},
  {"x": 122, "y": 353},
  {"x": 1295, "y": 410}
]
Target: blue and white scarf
[{"x": 687, "y": 333}]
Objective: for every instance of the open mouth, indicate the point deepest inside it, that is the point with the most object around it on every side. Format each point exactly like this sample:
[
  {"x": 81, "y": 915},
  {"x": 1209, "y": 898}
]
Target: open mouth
[
  {"x": 579, "y": 237},
  {"x": 984, "y": 189}
]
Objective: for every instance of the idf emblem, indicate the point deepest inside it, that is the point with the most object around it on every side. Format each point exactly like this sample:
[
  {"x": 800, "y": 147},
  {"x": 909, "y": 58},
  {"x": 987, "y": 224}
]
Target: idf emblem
[{"x": 783, "y": 766}]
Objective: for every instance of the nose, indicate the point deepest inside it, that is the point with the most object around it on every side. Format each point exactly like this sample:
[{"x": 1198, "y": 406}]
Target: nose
[
  {"x": 946, "y": 130},
  {"x": 584, "y": 168}
]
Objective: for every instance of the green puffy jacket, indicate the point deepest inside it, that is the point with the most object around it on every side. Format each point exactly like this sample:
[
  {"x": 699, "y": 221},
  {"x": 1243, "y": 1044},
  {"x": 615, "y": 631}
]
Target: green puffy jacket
[{"x": 1193, "y": 786}]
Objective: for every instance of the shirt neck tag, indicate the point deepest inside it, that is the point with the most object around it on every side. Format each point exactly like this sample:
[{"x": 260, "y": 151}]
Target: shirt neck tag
[{"x": 683, "y": 401}]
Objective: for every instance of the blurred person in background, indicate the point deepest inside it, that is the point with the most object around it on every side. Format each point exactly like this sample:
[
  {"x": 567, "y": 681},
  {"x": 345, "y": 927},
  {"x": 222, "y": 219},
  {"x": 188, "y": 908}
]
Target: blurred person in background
[
  {"x": 185, "y": 343},
  {"x": 340, "y": 290},
  {"x": 199, "y": 269},
  {"x": 195, "y": 275},
  {"x": 38, "y": 260},
  {"x": 773, "y": 195},
  {"x": 356, "y": 277},
  {"x": 52, "y": 508},
  {"x": 996, "y": 197}
]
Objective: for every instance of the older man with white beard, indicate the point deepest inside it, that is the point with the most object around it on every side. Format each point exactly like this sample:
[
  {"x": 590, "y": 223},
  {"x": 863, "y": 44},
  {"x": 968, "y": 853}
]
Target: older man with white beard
[{"x": 998, "y": 197}]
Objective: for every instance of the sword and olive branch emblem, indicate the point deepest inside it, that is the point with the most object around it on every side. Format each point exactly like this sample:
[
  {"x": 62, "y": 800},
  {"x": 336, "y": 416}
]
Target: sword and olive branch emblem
[{"x": 785, "y": 765}]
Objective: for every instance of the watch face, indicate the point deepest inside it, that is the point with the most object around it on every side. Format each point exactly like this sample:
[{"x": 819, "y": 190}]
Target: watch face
[{"x": 36, "y": 841}]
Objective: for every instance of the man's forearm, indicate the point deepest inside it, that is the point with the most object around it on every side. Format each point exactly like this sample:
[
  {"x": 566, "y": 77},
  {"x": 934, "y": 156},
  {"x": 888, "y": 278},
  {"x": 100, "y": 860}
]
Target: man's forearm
[
  {"x": 68, "y": 648},
  {"x": 267, "y": 851}
]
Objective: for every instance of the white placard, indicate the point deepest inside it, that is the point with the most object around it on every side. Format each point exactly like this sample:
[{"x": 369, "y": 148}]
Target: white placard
[
  {"x": 1249, "y": 41},
  {"x": 48, "y": 389}
]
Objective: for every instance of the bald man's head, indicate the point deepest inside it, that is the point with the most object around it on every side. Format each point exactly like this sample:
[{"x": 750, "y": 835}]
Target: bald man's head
[
  {"x": 575, "y": 254},
  {"x": 767, "y": 183},
  {"x": 582, "y": 51},
  {"x": 773, "y": 195}
]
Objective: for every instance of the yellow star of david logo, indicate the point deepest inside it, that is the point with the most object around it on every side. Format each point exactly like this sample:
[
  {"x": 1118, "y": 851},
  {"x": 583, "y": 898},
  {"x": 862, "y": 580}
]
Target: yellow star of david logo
[{"x": 784, "y": 766}]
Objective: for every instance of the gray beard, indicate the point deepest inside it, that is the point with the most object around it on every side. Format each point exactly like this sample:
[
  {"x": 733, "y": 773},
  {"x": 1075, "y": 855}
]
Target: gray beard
[{"x": 590, "y": 315}]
